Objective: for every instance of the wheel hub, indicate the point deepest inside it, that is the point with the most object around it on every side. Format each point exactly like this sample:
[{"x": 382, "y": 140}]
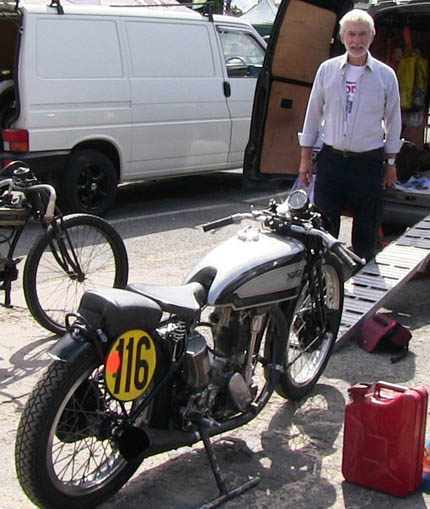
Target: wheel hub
[
  {"x": 309, "y": 333},
  {"x": 80, "y": 417}
]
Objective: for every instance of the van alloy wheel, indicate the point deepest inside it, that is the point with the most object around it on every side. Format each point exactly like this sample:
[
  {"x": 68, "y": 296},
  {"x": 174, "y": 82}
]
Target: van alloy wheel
[{"x": 90, "y": 183}]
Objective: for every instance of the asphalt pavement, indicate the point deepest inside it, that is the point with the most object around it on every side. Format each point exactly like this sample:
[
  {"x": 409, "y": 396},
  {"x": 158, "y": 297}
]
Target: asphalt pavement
[{"x": 295, "y": 448}]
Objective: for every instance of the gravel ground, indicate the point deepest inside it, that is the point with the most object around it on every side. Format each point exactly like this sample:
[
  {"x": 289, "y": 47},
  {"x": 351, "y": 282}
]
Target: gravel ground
[{"x": 295, "y": 448}]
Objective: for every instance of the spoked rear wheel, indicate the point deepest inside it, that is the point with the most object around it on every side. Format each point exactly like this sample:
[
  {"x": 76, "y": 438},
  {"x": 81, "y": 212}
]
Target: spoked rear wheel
[
  {"x": 81, "y": 253},
  {"x": 312, "y": 334},
  {"x": 65, "y": 456}
]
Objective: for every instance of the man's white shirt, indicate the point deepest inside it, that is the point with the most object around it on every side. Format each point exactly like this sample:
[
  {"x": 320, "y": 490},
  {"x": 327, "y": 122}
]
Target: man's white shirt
[{"x": 352, "y": 80}]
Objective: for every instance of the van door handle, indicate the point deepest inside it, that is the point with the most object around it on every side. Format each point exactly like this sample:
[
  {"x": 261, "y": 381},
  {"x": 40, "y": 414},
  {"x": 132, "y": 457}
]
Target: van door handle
[{"x": 227, "y": 88}]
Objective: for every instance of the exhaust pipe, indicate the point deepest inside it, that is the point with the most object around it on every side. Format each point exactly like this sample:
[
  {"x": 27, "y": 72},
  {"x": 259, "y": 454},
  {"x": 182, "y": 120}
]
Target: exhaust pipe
[{"x": 136, "y": 442}]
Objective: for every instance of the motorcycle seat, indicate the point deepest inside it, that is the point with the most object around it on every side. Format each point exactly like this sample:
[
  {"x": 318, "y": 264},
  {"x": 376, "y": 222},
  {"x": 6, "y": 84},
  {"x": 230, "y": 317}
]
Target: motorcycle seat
[
  {"x": 112, "y": 308},
  {"x": 183, "y": 300}
]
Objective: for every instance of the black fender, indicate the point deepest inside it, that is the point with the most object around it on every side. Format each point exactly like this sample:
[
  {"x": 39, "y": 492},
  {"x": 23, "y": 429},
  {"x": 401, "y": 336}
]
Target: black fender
[{"x": 70, "y": 347}]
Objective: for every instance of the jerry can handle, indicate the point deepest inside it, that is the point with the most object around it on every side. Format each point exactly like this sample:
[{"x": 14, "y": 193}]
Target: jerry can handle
[
  {"x": 359, "y": 391},
  {"x": 388, "y": 385}
]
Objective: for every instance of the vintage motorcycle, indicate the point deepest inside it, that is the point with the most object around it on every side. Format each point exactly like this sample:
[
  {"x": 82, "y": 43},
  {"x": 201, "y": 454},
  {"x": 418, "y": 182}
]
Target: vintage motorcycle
[{"x": 154, "y": 368}]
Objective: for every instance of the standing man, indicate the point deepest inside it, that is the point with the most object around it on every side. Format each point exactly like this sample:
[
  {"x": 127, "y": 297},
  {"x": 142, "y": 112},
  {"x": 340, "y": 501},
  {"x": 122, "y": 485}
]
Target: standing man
[{"x": 355, "y": 107}]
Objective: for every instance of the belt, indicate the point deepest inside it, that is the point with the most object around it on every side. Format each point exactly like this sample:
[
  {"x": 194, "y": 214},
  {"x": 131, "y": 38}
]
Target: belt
[{"x": 377, "y": 152}]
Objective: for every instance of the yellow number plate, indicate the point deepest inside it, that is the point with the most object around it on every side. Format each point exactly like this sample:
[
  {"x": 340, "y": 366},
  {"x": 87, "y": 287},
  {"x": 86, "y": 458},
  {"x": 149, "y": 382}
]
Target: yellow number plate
[{"x": 130, "y": 365}]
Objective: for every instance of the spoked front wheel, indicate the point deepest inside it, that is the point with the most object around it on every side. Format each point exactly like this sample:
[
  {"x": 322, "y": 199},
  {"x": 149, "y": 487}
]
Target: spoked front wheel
[
  {"x": 313, "y": 329},
  {"x": 65, "y": 454},
  {"x": 79, "y": 253}
]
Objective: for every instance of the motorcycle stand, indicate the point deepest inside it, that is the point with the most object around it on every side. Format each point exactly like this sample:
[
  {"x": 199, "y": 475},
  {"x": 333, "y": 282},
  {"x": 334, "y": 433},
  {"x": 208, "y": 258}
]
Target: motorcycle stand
[{"x": 225, "y": 494}]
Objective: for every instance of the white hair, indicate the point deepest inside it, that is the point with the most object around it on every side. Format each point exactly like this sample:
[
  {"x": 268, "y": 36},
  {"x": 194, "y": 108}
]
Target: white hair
[{"x": 357, "y": 16}]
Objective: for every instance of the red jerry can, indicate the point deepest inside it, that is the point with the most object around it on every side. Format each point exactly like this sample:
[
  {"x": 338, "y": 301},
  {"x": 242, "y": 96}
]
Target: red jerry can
[{"x": 384, "y": 433}]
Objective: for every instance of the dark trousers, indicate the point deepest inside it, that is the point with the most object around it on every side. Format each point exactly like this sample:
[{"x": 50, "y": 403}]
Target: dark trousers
[{"x": 354, "y": 184}]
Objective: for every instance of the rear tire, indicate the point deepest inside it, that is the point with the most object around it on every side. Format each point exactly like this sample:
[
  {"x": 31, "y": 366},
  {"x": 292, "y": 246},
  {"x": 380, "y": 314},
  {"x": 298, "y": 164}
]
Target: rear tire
[
  {"x": 308, "y": 351},
  {"x": 64, "y": 455},
  {"x": 51, "y": 291}
]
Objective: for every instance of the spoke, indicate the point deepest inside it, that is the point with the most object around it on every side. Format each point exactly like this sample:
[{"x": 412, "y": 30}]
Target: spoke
[
  {"x": 309, "y": 337},
  {"x": 60, "y": 292}
]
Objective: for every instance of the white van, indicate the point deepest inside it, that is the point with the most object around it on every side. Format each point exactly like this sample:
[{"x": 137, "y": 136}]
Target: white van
[{"x": 94, "y": 96}]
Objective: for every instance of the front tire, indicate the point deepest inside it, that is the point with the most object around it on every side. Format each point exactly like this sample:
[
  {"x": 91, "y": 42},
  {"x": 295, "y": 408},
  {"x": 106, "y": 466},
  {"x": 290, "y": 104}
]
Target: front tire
[
  {"x": 64, "y": 454},
  {"x": 52, "y": 290},
  {"x": 310, "y": 343}
]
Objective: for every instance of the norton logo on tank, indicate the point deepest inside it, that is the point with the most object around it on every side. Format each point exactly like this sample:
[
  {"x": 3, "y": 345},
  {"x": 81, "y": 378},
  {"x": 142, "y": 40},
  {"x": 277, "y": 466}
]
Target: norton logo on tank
[
  {"x": 280, "y": 279},
  {"x": 294, "y": 275},
  {"x": 130, "y": 365}
]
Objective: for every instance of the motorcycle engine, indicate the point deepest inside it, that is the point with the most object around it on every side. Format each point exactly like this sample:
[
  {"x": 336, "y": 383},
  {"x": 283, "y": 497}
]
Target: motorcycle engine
[{"x": 213, "y": 377}]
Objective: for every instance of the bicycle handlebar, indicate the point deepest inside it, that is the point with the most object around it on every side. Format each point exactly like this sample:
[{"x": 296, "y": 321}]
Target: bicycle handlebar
[
  {"x": 50, "y": 208},
  {"x": 15, "y": 185}
]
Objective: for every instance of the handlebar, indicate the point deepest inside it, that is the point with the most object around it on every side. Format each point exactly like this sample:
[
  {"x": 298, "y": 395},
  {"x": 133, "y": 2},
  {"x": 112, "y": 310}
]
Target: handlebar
[
  {"x": 334, "y": 245},
  {"x": 20, "y": 182},
  {"x": 219, "y": 223},
  {"x": 225, "y": 221},
  {"x": 52, "y": 200}
]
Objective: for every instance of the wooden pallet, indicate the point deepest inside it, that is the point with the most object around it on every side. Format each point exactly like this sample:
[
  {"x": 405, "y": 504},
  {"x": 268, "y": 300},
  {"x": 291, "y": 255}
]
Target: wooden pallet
[{"x": 372, "y": 285}]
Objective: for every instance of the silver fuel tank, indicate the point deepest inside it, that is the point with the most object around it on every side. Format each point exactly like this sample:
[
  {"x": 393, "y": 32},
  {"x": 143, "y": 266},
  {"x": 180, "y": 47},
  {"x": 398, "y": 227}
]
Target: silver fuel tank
[{"x": 250, "y": 269}]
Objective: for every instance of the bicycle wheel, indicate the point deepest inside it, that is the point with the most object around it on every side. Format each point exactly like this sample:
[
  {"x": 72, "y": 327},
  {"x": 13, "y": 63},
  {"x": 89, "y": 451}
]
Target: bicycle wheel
[
  {"x": 311, "y": 339},
  {"x": 65, "y": 452},
  {"x": 80, "y": 253}
]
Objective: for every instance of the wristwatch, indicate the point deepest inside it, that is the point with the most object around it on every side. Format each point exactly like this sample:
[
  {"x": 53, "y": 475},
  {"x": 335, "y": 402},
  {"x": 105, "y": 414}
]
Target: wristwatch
[{"x": 391, "y": 162}]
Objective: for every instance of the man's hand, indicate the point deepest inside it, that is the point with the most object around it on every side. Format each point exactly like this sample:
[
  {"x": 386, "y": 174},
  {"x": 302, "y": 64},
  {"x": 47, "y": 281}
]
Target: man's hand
[
  {"x": 306, "y": 166},
  {"x": 390, "y": 175}
]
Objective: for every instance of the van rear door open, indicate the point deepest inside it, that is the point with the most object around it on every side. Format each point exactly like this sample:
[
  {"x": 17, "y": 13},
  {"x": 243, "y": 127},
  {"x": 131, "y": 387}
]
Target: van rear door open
[{"x": 302, "y": 37}]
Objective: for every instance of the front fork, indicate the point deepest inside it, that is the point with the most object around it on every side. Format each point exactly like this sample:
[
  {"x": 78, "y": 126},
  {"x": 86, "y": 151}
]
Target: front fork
[
  {"x": 64, "y": 253},
  {"x": 317, "y": 295},
  {"x": 256, "y": 327}
]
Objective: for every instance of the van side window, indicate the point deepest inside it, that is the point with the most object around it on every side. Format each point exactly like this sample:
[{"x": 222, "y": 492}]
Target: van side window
[
  {"x": 243, "y": 55},
  {"x": 71, "y": 58},
  {"x": 183, "y": 50}
]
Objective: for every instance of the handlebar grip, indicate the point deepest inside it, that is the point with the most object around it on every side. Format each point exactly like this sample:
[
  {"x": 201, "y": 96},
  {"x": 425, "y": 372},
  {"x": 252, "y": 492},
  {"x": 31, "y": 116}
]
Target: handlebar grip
[
  {"x": 50, "y": 208},
  {"x": 213, "y": 225},
  {"x": 340, "y": 251}
]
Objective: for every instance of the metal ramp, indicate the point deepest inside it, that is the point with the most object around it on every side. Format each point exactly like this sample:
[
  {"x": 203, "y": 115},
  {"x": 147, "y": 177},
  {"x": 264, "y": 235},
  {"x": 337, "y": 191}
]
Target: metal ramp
[{"x": 373, "y": 284}]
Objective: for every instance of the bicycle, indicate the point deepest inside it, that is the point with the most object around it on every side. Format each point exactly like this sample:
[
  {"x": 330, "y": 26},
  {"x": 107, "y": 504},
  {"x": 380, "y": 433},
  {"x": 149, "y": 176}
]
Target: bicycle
[{"x": 74, "y": 253}]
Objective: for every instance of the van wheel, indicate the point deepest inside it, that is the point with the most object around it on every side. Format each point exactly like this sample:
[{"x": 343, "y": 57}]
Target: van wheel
[{"x": 89, "y": 184}]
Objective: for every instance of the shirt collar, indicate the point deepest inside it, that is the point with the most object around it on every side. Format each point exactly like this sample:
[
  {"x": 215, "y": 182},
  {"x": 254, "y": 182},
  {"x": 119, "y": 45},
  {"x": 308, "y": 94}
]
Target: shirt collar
[{"x": 370, "y": 62}]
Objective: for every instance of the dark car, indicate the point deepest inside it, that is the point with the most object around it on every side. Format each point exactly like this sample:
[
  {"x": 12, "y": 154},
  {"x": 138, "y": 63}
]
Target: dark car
[{"x": 305, "y": 33}]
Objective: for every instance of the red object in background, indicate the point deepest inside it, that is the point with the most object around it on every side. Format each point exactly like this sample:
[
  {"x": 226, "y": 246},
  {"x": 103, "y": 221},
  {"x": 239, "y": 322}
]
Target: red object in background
[
  {"x": 382, "y": 330},
  {"x": 384, "y": 433}
]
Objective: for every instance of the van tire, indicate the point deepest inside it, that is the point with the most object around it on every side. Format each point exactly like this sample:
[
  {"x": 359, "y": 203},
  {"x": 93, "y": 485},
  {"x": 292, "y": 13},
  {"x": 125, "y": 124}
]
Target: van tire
[{"x": 89, "y": 184}]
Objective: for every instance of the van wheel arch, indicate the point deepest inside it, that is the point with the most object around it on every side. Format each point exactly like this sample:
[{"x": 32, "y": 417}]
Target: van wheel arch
[{"x": 89, "y": 181}]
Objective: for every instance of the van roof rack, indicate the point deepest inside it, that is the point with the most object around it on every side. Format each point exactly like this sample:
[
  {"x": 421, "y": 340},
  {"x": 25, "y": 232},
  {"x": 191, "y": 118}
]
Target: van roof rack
[
  {"x": 208, "y": 6},
  {"x": 57, "y": 4}
]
